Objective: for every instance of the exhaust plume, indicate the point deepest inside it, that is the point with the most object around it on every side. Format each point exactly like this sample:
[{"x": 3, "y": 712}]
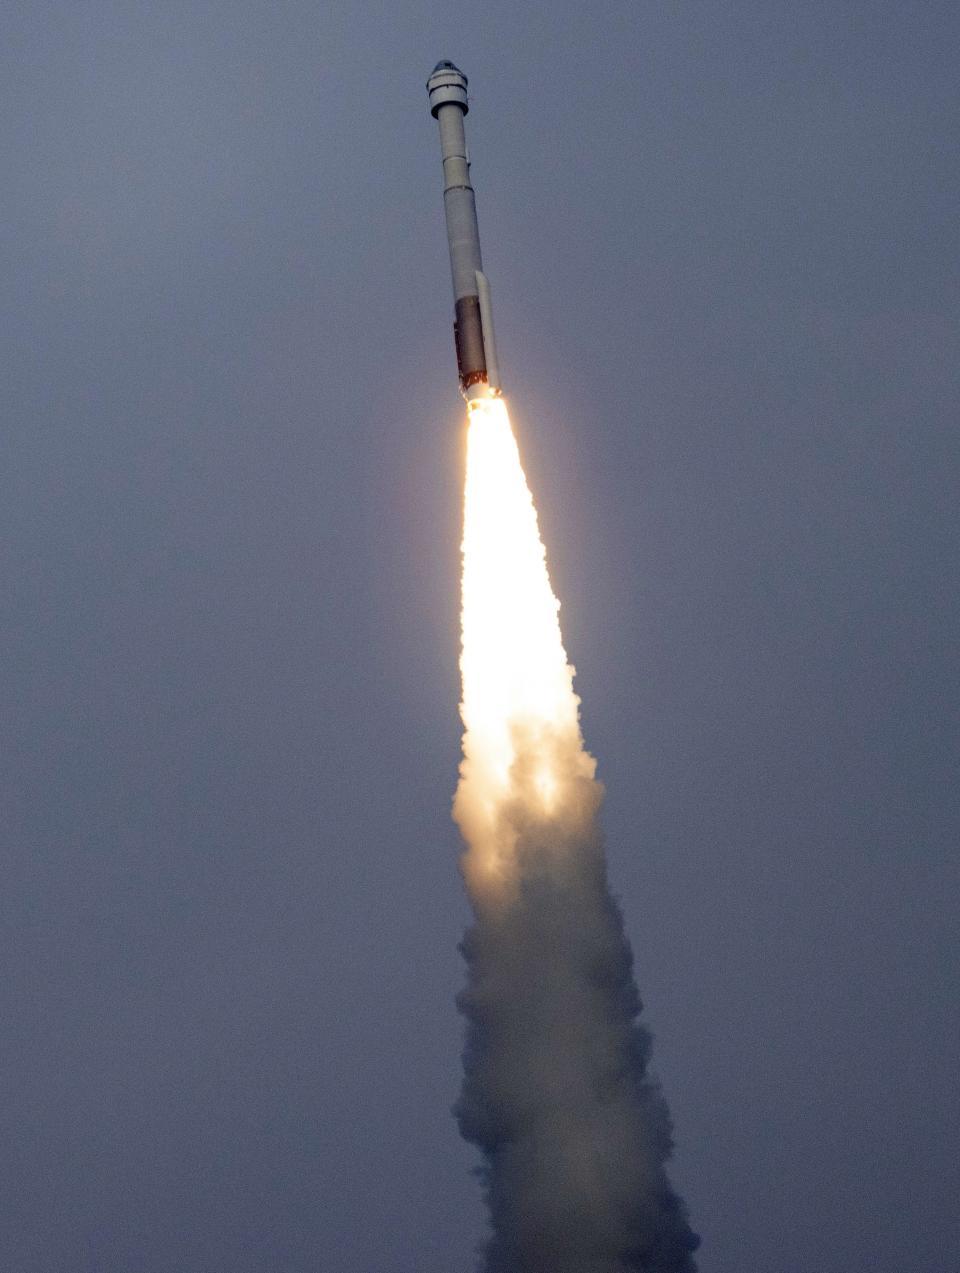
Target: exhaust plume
[{"x": 556, "y": 1094}]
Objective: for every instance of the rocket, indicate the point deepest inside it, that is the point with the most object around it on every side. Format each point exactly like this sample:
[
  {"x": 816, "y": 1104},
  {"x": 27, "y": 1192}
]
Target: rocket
[{"x": 473, "y": 322}]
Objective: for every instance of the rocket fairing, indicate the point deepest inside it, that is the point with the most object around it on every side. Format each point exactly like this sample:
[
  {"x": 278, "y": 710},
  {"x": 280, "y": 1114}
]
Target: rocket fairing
[{"x": 473, "y": 323}]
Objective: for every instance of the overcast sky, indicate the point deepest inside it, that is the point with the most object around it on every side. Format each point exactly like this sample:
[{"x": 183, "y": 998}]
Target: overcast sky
[{"x": 722, "y": 241}]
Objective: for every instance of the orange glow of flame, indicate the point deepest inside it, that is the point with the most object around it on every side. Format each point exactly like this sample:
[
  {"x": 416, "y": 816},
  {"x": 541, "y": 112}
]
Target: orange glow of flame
[{"x": 520, "y": 713}]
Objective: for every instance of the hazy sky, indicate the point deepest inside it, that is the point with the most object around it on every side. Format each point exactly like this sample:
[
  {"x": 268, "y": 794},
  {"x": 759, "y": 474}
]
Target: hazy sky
[{"x": 722, "y": 239}]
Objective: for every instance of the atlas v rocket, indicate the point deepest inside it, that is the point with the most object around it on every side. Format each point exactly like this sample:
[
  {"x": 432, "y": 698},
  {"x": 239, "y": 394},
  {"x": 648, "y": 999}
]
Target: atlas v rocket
[{"x": 473, "y": 323}]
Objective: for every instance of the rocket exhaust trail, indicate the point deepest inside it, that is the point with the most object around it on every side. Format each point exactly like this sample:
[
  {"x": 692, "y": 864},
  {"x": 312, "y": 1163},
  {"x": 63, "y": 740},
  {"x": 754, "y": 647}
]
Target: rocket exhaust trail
[{"x": 556, "y": 1093}]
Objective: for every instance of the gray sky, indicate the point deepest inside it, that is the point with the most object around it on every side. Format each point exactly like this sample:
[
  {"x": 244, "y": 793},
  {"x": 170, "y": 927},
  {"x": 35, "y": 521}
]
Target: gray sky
[{"x": 722, "y": 241}]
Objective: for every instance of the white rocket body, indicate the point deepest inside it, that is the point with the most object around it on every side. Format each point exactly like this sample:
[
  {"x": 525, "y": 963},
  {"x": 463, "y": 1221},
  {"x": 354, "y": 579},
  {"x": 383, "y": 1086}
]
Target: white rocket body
[{"x": 473, "y": 323}]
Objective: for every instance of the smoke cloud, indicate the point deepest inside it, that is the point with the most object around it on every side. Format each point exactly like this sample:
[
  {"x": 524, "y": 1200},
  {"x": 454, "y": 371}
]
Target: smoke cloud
[{"x": 557, "y": 1094}]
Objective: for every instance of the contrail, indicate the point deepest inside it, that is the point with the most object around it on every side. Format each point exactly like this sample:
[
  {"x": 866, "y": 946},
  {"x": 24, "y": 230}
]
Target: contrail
[
  {"x": 574, "y": 1131},
  {"x": 557, "y": 1094}
]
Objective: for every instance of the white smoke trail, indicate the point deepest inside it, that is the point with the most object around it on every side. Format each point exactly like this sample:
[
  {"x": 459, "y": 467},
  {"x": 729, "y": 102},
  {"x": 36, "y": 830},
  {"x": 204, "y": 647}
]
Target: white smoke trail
[{"x": 556, "y": 1092}]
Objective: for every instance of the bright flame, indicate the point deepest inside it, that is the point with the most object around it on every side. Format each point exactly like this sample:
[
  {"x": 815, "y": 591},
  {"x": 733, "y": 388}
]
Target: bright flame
[
  {"x": 556, "y": 1092},
  {"x": 522, "y": 735}
]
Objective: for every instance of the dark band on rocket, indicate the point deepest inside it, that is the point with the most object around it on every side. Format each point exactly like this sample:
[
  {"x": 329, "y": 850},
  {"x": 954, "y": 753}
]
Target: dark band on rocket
[{"x": 468, "y": 334}]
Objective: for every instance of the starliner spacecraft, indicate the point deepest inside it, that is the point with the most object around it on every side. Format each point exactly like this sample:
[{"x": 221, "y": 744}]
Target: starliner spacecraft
[{"x": 473, "y": 322}]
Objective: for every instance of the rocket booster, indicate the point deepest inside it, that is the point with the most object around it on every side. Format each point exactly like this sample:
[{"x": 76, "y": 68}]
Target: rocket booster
[{"x": 473, "y": 323}]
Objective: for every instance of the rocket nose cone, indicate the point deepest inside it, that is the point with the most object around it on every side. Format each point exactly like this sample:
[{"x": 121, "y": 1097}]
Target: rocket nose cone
[{"x": 447, "y": 84}]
